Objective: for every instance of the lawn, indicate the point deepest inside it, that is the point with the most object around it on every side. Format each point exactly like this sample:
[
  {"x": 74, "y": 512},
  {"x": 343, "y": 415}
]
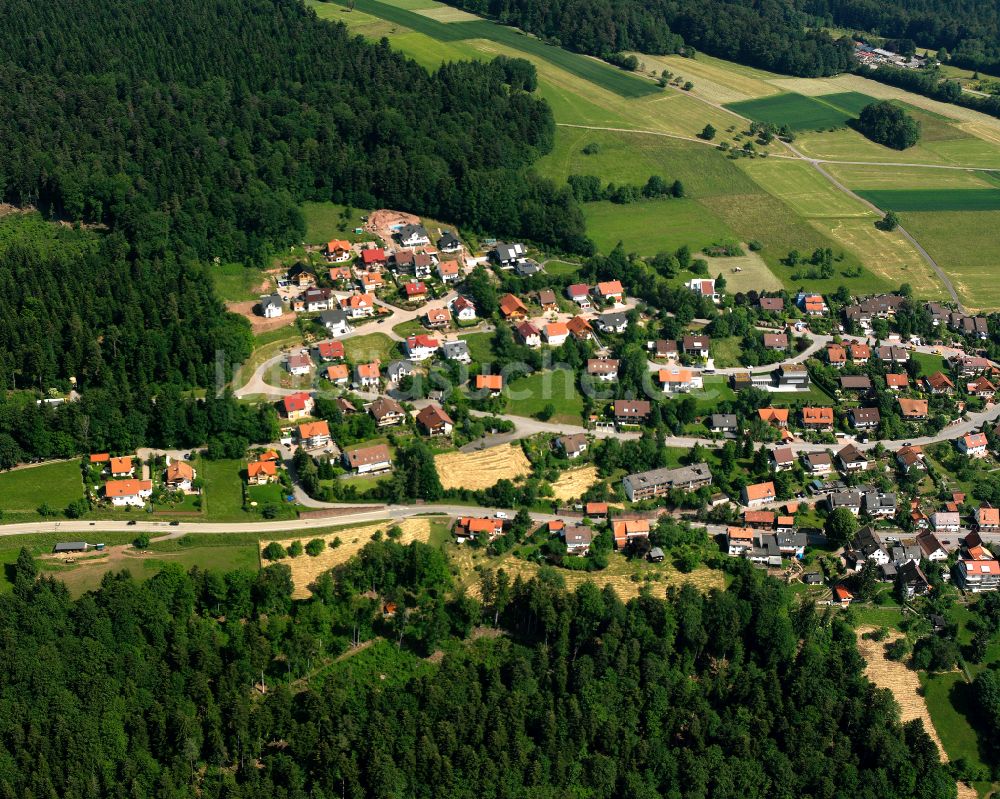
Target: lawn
[
  {"x": 561, "y": 268},
  {"x": 716, "y": 389},
  {"x": 950, "y": 701},
  {"x": 411, "y": 328},
  {"x": 527, "y": 396},
  {"x": 52, "y": 484},
  {"x": 236, "y": 282},
  {"x": 928, "y": 363},
  {"x": 325, "y": 221},
  {"x": 223, "y": 493},
  {"x": 800, "y": 112},
  {"x": 480, "y": 346},
  {"x": 726, "y": 351},
  {"x": 653, "y": 226},
  {"x": 370, "y": 347}
]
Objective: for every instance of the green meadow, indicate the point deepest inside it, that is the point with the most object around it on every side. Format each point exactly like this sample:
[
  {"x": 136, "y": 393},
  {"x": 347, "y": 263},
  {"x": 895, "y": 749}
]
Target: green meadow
[
  {"x": 934, "y": 199},
  {"x": 800, "y": 112}
]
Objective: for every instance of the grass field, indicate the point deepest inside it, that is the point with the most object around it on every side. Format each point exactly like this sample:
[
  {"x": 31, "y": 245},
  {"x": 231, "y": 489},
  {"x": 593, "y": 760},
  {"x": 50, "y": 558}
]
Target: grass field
[
  {"x": 950, "y": 702},
  {"x": 52, "y": 484},
  {"x": 653, "y": 226},
  {"x": 370, "y": 347},
  {"x": 934, "y": 199},
  {"x": 480, "y": 346},
  {"x": 223, "y": 494},
  {"x": 800, "y": 112},
  {"x": 237, "y": 283},
  {"x": 528, "y": 395},
  {"x": 715, "y": 80},
  {"x": 754, "y": 272},
  {"x": 482, "y": 468},
  {"x": 325, "y": 221}
]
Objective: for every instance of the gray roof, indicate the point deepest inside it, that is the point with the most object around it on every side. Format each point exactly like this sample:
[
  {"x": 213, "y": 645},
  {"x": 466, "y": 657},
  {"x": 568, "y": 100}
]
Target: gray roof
[
  {"x": 334, "y": 317},
  {"x": 727, "y": 420},
  {"x": 70, "y": 546},
  {"x": 612, "y": 319},
  {"x": 845, "y": 499},
  {"x": 447, "y": 240},
  {"x": 401, "y": 366},
  {"x": 455, "y": 349},
  {"x": 412, "y": 230},
  {"x": 509, "y": 252},
  {"x": 273, "y": 299},
  {"x": 684, "y": 474}
]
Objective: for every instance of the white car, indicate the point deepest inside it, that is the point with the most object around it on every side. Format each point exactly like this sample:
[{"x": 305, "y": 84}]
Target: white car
[{"x": 500, "y": 514}]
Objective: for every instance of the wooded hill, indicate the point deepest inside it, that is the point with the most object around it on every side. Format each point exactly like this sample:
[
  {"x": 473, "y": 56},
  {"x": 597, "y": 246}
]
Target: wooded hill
[{"x": 147, "y": 689}]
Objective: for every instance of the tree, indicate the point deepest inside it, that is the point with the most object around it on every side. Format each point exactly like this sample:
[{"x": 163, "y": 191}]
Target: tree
[
  {"x": 141, "y": 541},
  {"x": 274, "y": 551},
  {"x": 840, "y": 526},
  {"x": 295, "y": 549},
  {"x": 888, "y": 124},
  {"x": 889, "y": 222},
  {"x": 707, "y": 133},
  {"x": 315, "y": 547},
  {"x": 25, "y": 572}
]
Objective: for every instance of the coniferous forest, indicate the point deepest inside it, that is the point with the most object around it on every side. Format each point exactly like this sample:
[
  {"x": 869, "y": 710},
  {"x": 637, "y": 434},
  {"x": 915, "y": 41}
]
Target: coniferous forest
[{"x": 154, "y": 689}]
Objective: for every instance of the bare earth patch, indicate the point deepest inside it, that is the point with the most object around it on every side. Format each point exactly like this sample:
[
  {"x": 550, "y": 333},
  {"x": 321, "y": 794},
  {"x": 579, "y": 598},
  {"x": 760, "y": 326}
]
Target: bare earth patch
[
  {"x": 482, "y": 469},
  {"x": 258, "y": 322},
  {"x": 306, "y": 568},
  {"x": 574, "y": 483}
]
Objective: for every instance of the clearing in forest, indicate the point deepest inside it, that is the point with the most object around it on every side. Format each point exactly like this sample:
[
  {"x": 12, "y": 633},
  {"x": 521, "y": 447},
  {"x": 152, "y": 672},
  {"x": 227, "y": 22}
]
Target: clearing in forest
[{"x": 481, "y": 469}]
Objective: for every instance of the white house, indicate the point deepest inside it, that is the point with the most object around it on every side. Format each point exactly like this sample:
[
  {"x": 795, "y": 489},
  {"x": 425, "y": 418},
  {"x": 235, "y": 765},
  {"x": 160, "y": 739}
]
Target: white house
[
  {"x": 124, "y": 493},
  {"x": 335, "y": 322},
  {"x": 271, "y": 306},
  {"x": 946, "y": 521},
  {"x": 413, "y": 236},
  {"x": 556, "y": 333},
  {"x": 974, "y": 445},
  {"x": 463, "y": 309},
  {"x": 299, "y": 363},
  {"x": 421, "y": 347},
  {"x": 706, "y": 288}
]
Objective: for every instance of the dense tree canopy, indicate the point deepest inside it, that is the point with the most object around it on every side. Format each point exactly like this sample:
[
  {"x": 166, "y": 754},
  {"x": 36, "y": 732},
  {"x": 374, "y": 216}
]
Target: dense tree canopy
[
  {"x": 148, "y": 689},
  {"x": 888, "y": 124}
]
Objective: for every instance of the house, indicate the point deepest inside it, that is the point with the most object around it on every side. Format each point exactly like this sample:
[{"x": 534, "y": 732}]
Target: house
[
  {"x": 677, "y": 379},
  {"x": 512, "y": 308},
  {"x": 759, "y": 519},
  {"x": 456, "y": 351},
  {"x": 723, "y": 423},
  {"x": 367, "y": 375},
  {"x": 973, "y": 444},
  {"x": 859, "y": 383},
  {"x": 704, "y": 288},
  {"x": 437, "y": 318},
  {"x": 612, "y": 322},
  {"x": 556, "y": 333},
  {"x": 330, "y": 351},
  {"x": 529, "y": 334},
  {"x": 297, "y": 405},
  {"x": 335, "y": 322},
  {"x": 578, "y": 538},
  {"x": 340, "y": 274},
  {"x": 507, "y": 255},
  {"x": 776, "y": 341},
  {"x": 663, "y": 349},
  {"x": 939, "y": 383},
  {"x": 740, "y": 541},
  {"x": 783, "y": 458},
  {"x": 301, "y": 275},
  {"x": 423, "y": 264},
  {"x": 596, "y": 510},
  {"x": 657, "y": 482},
  {"x": 556, "y": 526},
  {"x": 897, "y": 382},
  {"x": 910, "y": 457},
  {"x": 363, "y": 460},
  {"x": 944, "y": 521},
  {"x": 338, "y": 251},
  {"x": 527, "y": 267},
  {"x": 448, "y": 271},
  {"x": 128, "y": 493},
  {"x": 421, "y": 347},
  {"x": 818, "y": 462},
  {"x": 415, "y": 290},
  {"x": 573, "y": 445},
  {"x": 490, "y": 383},
  {"x": 464, "y": 309},
  {"x": 179, "y": 476},
  {"x": 449, "y": 243},
  {"x": 860, "y": 353},
  {"x": 811, "y": 304},
  {"x": 869, "y": 545},
  {"x": 850, "y": 500},
  {"x": 435, "y": 421},
  {"x": 261, "y": 472},
  {"x": 758, "y": 494},
  {"x": 625, "y": 531},
  {"x": 776, "y": 417},
  {"x": 891, "y": 353},
  {"x": 580, "y": 328},
  {"x": 605, "y": 369},
  {"x": 580, "y": 294},
  {"x": 912, "y": 580},
  {"x": 631, "y": 411},
  {"x": 864, "y": 418},
  {"x": 609, "y": 291},
  {"x": 851, "y": 459},
  {"x": 373, "y": 258},
  {"x": 471, "y": 526},
  {"x": 398, "y": 369},
  {"x": 988, "y": 519},
  {"x": 100, "y": 457},
  {"x": 793, "y": 376},
  {"x": 271, "y": 306},
  {"x": 358, "y": 306},
  {"x": 930, "y": 547},
  {"x": 314, "y": 434},
  {"x": 771, "y": 304},
  {"x": 386, "y": 411},
  {"x": 879, "y": 503},
  {"x": 314, "y": 299},
  {"x": 817, "y": 418},
  {"x": 547, "y": 299},
  {"x": 697, "y": 346},
  {"x": 913, "y": 408},
  {"x": 338, "y": 374},
  {"x": 122, "y": 467},
  {"x": 371, "y": 281},
  {"x": 836, "y": 355},
  {"x": 981, "y": 387},
  {"x": 970, "y": 365},
  {"x": 299, "y": 363},
  {"x": 979, "y": 575},
  {"x": 792, "y": 543},
  {"x": 403, "y": 262},
  {"x": 413, "y": 236},
  {"x": 841, "y": 596}
]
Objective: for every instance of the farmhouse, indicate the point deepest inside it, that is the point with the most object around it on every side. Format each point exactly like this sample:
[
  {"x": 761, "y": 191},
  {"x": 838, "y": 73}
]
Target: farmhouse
[{"x": 363, "y": 460}]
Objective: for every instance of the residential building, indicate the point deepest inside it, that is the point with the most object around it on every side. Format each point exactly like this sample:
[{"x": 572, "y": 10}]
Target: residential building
[
  {"x": 330, "y": 350},
  {"x": 793, "y": 376},
  {"x": 261, "y": 472},
  {"x": 723, "y": 423},
  {"x": 337, "y": 251},
  {"x": 946, "y": 521},
  {"x": 776, "y": 417},
  {"x": 373, "y": 258},
  {"x": 939, "y": 383},
  {"x": 415, "y": 290},
  {"x": 578, "y": 538},
  {"x": 705, "y": 288},
  {"x": 556, "y": 333},
  {"x": 625, "y": 531},
  {"x": 301, "y": 275},
  {"x": 740, "y": 541},
  {"x": 386, "y": 411},
  {"x": 879, "y": 503},
  {"x": 776, "y": 341},
  {"x": 858, "y": 383},
  {"x": 974, "y": 445},
  {"x": 367, "y": 375},
  {"x": 897, "y": 382},
  {"x": 316, "y": 299},
  {"x": 811, "y": 304},
  {"x": 818, "y": 462},
  {"x": 771, "y": 304},
  {"x": 912, "y": 580},
  {"x": 398, "y": 369},
  {"x": 631, "y": 411},
  {"x": 299, "y": 363},
  {"x": 864, "y": 418},
  {"x": 782, "y": 458},
  {"x": 471, "y": 526},
  {"x": 697, "y": 346},
  {"x": 580, "y": 294},
  {"x": 817, "y": 418},
  {"x": 930, "y": 547},
  {"x": 413, "y": 236},
  {"x": 573, "y": 445},
  {"x": 605, "y": 369},
  {"x": 580, "y": 328},
  {"x": 335, "y": 322},
  {"x": 988, "y": 519},
  {"x": 836, "y": 355},
  {"x": 530, "y": 335},
  {"x": 851, "y": 459},
  {"x": 913, "y": 408},
  {"x": 435, "y": 421},
  {"x": 892, "y": 353},
  {"x": 657, "y": 482},
  {"x": 449, "y": 243},
  {"x": 507, "y": 255},
  {"x": 664, "y": 349},
  {"x": 851, "y": 500},
  {"x": 437, "y": 318},
  {"x": 421, "y": 347},
  {"x": 128, "y": 493},
  {"x": 979, "y": 575},
  {"x": 314, "y": 434},
  {"x": 860, "y": 353},
  {"x": 358, "y": 306},
  {"x": 868, "y": 545},
  {"x": 610, "y": 291},
  {"x": 491, "y": 383},
  {"x": 338, "y": 374},
  {"x": 456, "y": 351},
  {"x": 981, "y": 387},
  {"x": 677, "y": 379},
  {"x": 547, "y": 299},
  {"x": 464, "y": 309},
  {"x": 363, "y": 460},
  {"x": 122, "y": 467},
  {"x": 179, "y": 476},
  {"x": 297, "y": 405},
  {"x": 612, "y": 322},
  {"x": 512, "y": 308},
  {"x": 758, "y": 494},
  {"x": 448, "y": 271},
  {"x": 911, "y": 457},
  {"x": 271, "y": 306}
]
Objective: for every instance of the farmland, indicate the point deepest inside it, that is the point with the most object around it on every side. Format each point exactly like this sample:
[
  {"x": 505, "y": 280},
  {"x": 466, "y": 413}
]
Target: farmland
[
  {"x": 574, "y": 482},
  {"x": 934, "y": 199},
  {"x": 53, "y": 484},
  {"x": 800, "y": 112},
  {"x": 481, "y": 469}
]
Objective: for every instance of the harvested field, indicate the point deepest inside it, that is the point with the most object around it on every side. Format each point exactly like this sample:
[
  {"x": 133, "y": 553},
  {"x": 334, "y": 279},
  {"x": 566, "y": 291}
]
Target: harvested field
[
  {"x": 898, "y": 678},
  {"x": 754, "y": 273},
  {"x": 574, "y": 483},
  {"x": 305, "y": 568},
  {"x": 482, "y": 469}
]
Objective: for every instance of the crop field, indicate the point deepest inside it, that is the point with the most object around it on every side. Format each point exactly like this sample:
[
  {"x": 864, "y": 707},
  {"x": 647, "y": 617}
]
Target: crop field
[
  {"x": 860, "y": 178},
  {"x": 715, "y": 80},
  {"x": 801, "y": 112},
  {"x": 306, "y": 568},
  {"x": 754, "y": 274},
  {"x": 934, "y": 199},
  {"x": 481, "y": 469},
  {"x": 54, "y": 484},
  {"x": 574, "y": 482}
]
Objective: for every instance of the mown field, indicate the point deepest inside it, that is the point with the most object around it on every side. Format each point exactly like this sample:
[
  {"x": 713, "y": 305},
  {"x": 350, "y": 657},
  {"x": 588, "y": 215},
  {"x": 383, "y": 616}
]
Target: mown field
[{"x": 52, "y": 484}]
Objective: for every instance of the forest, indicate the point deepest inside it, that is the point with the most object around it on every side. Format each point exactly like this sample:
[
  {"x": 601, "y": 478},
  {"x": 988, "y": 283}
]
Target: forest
[
  {"x": 154, "y": 689},
  {"x": 771, "y": 34}
]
